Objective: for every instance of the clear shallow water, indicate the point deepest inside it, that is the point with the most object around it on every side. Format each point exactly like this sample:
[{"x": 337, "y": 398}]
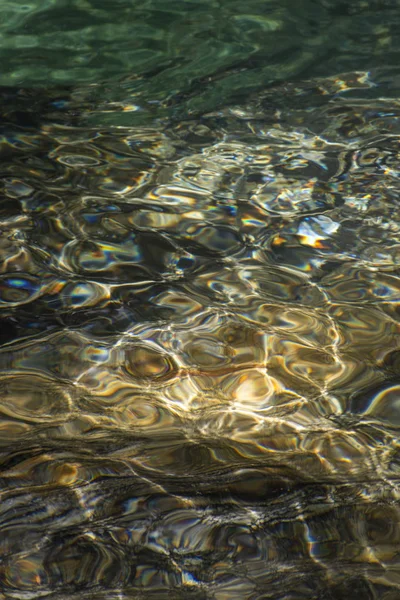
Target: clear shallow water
[{"x": 199, "y": 324}]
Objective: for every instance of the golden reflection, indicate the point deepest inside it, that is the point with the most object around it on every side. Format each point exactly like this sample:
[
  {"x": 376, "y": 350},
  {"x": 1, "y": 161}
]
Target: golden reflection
[{"x": 200, "y": 353}]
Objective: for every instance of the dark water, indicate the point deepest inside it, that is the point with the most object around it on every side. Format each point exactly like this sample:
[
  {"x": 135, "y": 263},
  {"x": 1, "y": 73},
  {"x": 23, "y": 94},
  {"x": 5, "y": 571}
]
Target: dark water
[{"x": 199, "y": 295}]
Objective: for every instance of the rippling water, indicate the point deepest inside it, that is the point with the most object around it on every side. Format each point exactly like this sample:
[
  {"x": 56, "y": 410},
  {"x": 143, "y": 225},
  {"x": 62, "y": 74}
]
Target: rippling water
[{"x": 199, "y": 296}]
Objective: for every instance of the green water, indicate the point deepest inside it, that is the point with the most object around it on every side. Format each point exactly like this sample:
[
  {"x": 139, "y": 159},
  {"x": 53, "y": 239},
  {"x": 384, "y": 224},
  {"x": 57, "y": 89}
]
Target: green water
[
  {"x": 200, "y": 300},
  {"x": 189, "y": 57}
]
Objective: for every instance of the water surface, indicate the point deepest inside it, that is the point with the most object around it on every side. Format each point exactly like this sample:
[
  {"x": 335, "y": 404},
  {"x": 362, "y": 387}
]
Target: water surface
[{"x": 199, "y": 295}]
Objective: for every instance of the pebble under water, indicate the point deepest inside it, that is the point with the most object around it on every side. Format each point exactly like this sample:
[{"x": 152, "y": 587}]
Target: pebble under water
[{"x": 200, "y": 351}]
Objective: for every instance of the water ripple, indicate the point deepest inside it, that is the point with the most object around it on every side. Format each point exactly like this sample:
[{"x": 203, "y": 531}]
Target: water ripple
[{"x": 199, "y": 352}]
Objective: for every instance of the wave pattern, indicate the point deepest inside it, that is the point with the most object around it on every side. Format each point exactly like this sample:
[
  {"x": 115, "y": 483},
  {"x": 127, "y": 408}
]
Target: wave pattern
[{"x": 199, "y": 367}]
